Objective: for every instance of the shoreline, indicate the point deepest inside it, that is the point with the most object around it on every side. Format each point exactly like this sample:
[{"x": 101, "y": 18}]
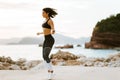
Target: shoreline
[{"x": 61, "y": 58}]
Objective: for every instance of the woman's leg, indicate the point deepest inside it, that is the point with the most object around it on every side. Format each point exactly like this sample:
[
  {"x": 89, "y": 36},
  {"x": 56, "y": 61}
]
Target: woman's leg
[
  {"x": 47, "y": 47},
  {"x": 46, "y": 52}
]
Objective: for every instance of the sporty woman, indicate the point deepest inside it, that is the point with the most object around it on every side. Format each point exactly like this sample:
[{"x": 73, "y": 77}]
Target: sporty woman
[{"x": 48, "y": 30}]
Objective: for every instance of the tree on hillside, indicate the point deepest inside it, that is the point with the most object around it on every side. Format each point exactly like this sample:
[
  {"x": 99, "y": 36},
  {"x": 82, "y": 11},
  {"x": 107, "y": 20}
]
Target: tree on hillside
[{"x": 110, "y": 24}]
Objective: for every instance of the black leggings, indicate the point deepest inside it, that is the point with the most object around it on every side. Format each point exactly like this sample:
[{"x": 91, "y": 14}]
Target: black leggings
[{"x": 47, "y": 46}]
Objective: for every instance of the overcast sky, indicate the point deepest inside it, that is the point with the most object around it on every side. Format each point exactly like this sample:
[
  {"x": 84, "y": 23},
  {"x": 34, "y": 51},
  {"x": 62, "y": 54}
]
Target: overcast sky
[{"x": 76, "y": 18}]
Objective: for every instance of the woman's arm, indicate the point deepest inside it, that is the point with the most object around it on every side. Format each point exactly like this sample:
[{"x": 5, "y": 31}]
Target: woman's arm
[
  {"x": 39, "y": 33},
  {"x": 50, "y": 22}
]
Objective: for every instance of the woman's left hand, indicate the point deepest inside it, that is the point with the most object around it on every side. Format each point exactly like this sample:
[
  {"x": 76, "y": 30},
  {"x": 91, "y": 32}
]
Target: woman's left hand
[{"x": 53, "y": 31}]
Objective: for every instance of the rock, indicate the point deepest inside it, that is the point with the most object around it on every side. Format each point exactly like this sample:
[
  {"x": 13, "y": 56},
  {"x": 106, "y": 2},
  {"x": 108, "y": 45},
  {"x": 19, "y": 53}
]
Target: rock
[
  {"x": 6, "y": 59},
  {"x": 21, "y": 61},
  {"x": 71, "y": 63},
  {"x": 114, "y": 60},
  {"x": 99, "y": 60},
  {"x": 6, "y": 64},
  {"x": 60, "y": 55},
  {"x": 103, "y": 40},
  {"x": 60, "y": 63},
  {"x": 30, "y": 64},
  {"x": 2, "y": 59},
  {"x": 14, "y": 67},
  {"x": 78, "y": 45},
  {"x": 64, "y": 58},
  {"x": 88, "y": 63},
  {"x": 65, "y": 46},
  {"x": 1, "y": 66},
  {"x": 99, "y": 64},
  {"x": 61, "y": 58},
  {"x": 80, "y": 56},
  {"x": 99, "y": 43},
  {"x": 9, "y": 60}
]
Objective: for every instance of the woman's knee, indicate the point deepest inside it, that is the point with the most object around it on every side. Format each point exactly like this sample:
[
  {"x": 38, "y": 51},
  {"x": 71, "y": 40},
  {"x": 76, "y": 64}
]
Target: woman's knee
[
  {"x": 47, "y": 50},
  {"x": 46, "y": 58}
]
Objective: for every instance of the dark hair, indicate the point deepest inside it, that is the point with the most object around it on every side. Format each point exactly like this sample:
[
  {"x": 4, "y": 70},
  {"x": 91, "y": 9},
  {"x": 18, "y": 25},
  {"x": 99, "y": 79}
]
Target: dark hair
[{"x": 51, "y": 12}]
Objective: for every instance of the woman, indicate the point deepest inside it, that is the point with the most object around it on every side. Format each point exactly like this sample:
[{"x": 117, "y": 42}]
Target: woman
[{"x": 48, "y": 29}]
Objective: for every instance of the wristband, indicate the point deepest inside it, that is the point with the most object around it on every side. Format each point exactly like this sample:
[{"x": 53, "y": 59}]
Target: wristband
[{"x": 53, "y": 30}]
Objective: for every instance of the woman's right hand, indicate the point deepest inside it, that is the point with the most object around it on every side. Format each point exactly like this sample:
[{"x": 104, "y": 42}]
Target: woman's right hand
[{"x": 39, "y": 33}]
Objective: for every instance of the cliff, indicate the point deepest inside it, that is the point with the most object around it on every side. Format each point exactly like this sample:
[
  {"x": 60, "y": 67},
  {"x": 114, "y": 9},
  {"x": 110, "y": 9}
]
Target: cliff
[{"x": 106, "y": 34}]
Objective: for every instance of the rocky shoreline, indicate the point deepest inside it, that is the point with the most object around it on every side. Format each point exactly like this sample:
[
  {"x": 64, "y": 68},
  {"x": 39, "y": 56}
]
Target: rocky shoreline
[
  {"x": 61, "y": 58},
  {"x": 6, "y": 63},
  {"x": 69, "y": 59}
]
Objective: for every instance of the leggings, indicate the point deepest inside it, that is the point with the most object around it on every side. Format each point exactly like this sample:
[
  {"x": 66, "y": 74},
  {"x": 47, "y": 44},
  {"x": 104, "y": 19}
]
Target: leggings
[{"x": 47, "y": 47}]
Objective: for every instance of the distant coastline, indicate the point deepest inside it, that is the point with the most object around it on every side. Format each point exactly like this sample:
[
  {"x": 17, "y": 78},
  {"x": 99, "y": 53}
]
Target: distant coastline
[{"x": 60, "y": 39}]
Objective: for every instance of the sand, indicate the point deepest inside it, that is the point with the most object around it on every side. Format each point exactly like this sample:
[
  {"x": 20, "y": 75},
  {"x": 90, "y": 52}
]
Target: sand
[{"x": 64, "y": 73}]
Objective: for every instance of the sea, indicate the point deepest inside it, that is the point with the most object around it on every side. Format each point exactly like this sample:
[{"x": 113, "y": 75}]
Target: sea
[{"x": 34, "y": 52}]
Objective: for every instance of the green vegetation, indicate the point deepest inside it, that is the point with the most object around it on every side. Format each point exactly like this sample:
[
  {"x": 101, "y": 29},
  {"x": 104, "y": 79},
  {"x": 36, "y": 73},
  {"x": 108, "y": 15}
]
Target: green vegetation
[{"x": 111, "y": 24}]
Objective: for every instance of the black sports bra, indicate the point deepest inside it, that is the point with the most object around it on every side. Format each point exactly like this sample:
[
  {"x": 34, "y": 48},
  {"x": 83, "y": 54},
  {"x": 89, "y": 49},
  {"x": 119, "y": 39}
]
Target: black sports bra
[{"x": 46, "y": 25}]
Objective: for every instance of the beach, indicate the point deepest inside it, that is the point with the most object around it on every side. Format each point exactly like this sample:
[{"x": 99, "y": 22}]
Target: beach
[
  {"x": 64, "y": 73},
  {"x": 68, "y": 66}
]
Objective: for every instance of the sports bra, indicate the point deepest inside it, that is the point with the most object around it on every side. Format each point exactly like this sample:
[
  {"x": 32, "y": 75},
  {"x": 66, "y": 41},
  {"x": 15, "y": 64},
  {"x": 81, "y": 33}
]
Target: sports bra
[{"x": 46, "y": 25}]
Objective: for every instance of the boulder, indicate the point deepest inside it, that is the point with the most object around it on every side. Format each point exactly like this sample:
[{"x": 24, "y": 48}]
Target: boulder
[
  {"x": 78, "y": 45},
  {"x": 65, "y": 46},
  {"x": 14, "y": 67},
  {"x": 61, "y": 55}
]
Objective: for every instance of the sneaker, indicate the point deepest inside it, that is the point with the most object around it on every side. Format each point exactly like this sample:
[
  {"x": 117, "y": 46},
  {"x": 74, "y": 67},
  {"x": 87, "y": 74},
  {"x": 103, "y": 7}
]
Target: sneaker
[{"x": 50, "y": 75}]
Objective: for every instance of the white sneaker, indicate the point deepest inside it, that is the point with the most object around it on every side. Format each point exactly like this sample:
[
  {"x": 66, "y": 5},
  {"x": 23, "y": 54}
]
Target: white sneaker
[{"x": 50, "y": 76}]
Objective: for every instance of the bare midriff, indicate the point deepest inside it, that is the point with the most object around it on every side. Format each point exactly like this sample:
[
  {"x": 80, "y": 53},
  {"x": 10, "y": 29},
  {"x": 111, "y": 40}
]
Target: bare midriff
[{"x": 46, "y": 31}]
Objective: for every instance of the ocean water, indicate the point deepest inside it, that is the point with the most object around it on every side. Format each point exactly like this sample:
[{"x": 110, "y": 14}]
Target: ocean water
[{"x": 33, "y": 52}]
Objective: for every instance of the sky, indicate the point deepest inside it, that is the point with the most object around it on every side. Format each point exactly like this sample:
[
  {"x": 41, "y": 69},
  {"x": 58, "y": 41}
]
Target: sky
[{"x": 76, "y": 18}]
